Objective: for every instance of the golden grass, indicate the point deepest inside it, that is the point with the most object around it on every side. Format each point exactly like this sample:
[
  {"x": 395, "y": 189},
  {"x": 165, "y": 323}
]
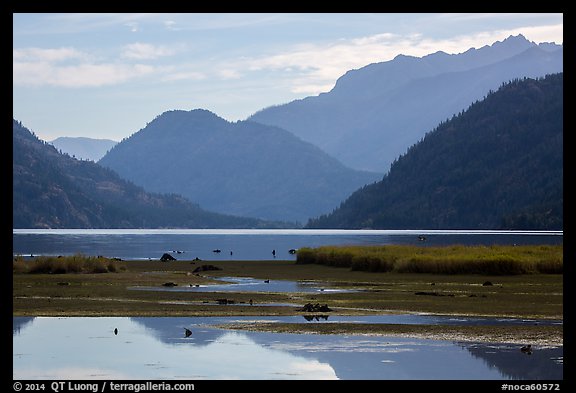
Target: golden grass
[
  {"x": 456, "y": 259},
  {"x": 66, "y": 264}
]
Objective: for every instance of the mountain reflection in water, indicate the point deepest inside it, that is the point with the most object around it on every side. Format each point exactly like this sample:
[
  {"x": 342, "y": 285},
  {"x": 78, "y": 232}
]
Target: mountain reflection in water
[{"x": 157, "y": 348}]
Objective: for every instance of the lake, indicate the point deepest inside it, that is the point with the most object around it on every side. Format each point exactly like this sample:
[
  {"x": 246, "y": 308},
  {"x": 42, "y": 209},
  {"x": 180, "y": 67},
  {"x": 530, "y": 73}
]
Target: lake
[
  {"x": 244, "y": 244},
  {"x": 156, "y": 348},
  {"x": 151, "y": 348}
]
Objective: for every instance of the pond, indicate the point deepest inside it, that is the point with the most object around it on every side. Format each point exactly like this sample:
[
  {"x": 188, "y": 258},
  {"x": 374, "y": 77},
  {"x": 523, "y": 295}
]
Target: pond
[
  {"x": 250, "y": 284},
  {"x": 157, "y": 348}
]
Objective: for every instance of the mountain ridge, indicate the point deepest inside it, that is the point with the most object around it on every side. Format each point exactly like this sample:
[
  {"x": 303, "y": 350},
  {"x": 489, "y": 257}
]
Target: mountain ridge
[
  {"x": 360, "y": 121},
  {"x": 54, "y": 190},
  {"x": 497, "y": 165},
  {"x": 241, "y": 168}
]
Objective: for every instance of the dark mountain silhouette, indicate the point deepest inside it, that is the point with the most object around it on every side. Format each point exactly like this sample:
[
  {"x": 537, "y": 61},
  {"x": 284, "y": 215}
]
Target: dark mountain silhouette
[
  {"x": 54, "y": 190},
  {"x": 83, "y": 148},
  {"x": 241, "y": 168},
  {"x": 498, "y": 165},
  {"x": 373, "y": 114}
]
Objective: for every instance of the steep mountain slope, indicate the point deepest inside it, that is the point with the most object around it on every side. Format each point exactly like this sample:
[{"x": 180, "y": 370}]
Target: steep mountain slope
[
  {"x": 53, "y": 190},
  {"x": 83, "y": 148},
  {"x": 241, "y": 168},
  {"x": 375, "y": 113},
  {"x": 498, "y": 165}
]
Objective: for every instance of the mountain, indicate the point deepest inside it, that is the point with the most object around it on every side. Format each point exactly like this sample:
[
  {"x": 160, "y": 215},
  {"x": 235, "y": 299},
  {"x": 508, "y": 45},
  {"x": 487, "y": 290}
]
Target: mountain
[
  {"x": 373, "y": 114},
  {"x": 242, "y": 168},
  {"x": 83, "y": 148},
  {"x": 498, "y": 165},
  {"x": 54, "y": 190}
]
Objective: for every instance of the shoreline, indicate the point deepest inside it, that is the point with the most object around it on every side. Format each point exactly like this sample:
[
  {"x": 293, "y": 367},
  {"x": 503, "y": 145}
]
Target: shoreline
[{"x": 541, "y": 335}]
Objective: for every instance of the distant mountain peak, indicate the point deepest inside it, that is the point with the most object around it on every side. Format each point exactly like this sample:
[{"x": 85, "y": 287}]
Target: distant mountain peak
[
  {"x": 374, "y": 113},
  {"x": 192, "y": 114},
  {"x": 82, "y": 147},
  {"x": 243, "y": 168},
  {"x": 514, "y": 41},
  {"x": 180, "y": 122}
]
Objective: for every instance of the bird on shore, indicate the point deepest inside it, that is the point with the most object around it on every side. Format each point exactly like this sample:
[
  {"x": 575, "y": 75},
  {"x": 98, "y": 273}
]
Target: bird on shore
[{"x": 188, "y": 332}]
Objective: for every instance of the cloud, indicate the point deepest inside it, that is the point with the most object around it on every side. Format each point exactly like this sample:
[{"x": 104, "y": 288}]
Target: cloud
[
  {"x": 229, "y": 74},
  {"x": 140, "y": 51},
  {"x": 71, "y": 68},
  {"x": 170, "y": 25},
  {"x": 76, "y": 76},
  {"x": 314, "y": 68},
  {"x": 133, "y": 26},
  {"x": 183, "y": 75},
  {"x": 538, "y": 34},
  {"x": 49, "y": 55}
]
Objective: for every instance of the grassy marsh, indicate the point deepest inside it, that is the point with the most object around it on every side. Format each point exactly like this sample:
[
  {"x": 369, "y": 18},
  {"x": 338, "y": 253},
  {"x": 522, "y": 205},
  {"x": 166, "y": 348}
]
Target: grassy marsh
[
  {"x": 85, "y": 293},
  {"x": 455, "y": 259}
]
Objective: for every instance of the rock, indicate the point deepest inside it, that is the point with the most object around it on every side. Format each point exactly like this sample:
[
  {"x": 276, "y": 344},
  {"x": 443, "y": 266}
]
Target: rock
[
  {"x": 169, "y": 284},
  {"x": 167, "y": 257},
  {"x": 487, "y": 284},
  {"x": 206, "y": 267},
  {"x": 309, "y": 307}
]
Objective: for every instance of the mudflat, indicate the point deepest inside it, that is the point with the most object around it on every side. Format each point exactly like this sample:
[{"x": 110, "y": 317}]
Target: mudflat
[{"x": 529, "y": 296}]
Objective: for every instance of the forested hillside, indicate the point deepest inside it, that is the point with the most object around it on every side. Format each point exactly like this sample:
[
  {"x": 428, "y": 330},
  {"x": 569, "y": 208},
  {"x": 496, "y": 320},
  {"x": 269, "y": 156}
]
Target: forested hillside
[
  {"x": 498, "y": 165},
  {"x": 53, "y": 190}
]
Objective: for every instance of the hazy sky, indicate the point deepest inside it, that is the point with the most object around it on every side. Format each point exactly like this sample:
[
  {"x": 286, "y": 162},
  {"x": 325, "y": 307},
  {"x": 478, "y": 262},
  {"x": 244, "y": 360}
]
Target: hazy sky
[{"x": 107, "y": 75}]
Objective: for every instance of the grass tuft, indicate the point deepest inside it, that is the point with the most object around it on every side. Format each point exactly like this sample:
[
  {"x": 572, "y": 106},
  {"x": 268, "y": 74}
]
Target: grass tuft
[{"x": 77, "y": 263}]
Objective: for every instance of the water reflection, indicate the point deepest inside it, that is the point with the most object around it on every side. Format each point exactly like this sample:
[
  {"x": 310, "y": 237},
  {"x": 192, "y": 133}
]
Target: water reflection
[
  {"x": 316, "y": 318},
  {"x": 249, "y": 284},
  {"x": 87, "y": 348},
  {"x": 157, "y": 348}
]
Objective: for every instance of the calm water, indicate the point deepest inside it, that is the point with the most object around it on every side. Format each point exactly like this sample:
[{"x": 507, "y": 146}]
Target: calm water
[
  {"x": 156, "y": 348},
  {"x": 249, "y": 284},
  {"x": 243, "y": 244}
]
